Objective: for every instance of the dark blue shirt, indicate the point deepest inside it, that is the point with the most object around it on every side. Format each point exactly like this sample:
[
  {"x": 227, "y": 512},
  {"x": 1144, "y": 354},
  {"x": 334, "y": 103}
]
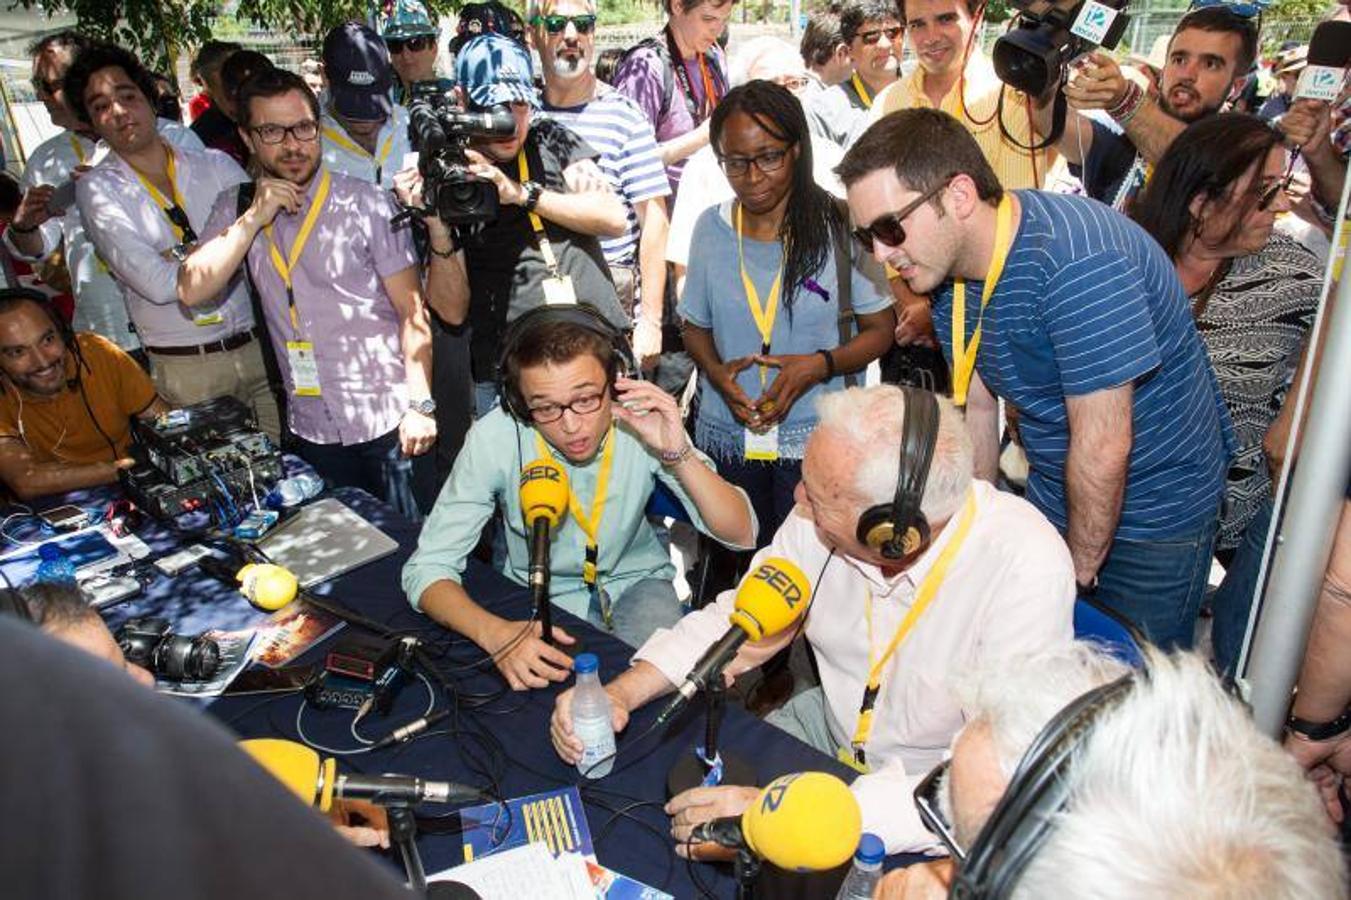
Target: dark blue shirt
[{"x": 1089, "y": 301}]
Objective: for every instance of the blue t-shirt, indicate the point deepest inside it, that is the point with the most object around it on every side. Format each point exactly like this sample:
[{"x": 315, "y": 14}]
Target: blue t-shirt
[
  {"x": 1089, "y": 301},
  {"x": 714, "y": 299}
]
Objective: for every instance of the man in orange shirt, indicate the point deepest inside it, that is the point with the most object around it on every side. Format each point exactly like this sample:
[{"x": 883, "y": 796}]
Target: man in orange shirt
[{"x": 67, "y": 400}]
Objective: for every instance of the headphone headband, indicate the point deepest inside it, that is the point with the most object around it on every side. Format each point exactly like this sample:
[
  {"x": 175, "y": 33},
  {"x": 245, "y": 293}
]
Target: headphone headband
[
  {"x": 579, "y": 314},
  {"x": 897, "y": 529}
]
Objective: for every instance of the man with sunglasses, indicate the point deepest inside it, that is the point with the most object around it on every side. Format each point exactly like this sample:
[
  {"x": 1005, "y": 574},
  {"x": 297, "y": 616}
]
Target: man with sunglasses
[
  {"x": 410, "y": 34},
  {"x": 1209, "y": 57},
  {"x": 614, "y": 126},
  {"x": 340, "y": 288},
  {"x": 364, "y": 133},
  {"x": 1075, "y": 317},
  {"x": 874, "y": 36}
]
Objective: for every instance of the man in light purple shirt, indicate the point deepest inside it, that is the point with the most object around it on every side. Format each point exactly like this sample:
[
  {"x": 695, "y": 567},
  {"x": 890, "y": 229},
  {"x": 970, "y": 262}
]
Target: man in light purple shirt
[{"x": 350, "y": 332}]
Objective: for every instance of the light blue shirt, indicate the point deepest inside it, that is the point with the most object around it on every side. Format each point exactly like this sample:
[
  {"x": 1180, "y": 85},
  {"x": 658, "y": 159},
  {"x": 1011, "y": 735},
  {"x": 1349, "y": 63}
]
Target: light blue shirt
[{"x": 487, "y": 475}]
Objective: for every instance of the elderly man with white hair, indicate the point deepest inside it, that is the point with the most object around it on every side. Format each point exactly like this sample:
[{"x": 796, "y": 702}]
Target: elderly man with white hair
[
  {"x": 994, "y": 578},
  {"x": 1171, "y": 790}
]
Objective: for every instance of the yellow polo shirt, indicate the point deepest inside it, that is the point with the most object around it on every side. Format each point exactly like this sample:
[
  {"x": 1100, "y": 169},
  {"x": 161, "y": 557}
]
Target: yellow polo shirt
[{"x": 980, "y": 89}]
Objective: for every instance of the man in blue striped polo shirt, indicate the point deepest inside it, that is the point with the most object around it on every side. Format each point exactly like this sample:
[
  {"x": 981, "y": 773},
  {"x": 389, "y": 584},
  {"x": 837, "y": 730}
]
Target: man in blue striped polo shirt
[
  {"x": 564, "y": 32},
  {"x": 1074, "y": 316}
]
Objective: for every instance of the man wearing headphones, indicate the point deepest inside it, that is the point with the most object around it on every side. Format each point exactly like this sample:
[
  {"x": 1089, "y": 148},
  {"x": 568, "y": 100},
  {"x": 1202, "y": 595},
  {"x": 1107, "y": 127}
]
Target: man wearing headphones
[
  {"x": 569, "y": 396},
  {"x": 920, "y": 572},
  {"x": 67, "y": 401}
]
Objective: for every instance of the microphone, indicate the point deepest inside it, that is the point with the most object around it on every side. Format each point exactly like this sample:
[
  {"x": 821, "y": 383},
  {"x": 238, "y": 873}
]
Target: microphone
[
  {"x": 544, "y": 500},
  {"x": 806, "y": 822},
  {"x": 317, "y": 782},
  {"x": 267, "y": 586},
  {"x": 767, "y": 602},
  {"x": 1329, "y": 54}
]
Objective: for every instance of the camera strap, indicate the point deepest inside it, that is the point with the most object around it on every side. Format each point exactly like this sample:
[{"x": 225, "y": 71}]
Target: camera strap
[
  {"x": 712, "y": 94},
  {"x": 963, "y": 354},
  {"x": 546, "y": 249}
]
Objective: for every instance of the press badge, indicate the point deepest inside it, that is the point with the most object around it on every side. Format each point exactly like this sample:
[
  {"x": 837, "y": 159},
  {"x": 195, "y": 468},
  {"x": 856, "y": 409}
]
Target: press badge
[
  {"x": 763, "y": 445},
  {"x": 558, "y": 291},
  {"x": 211, "y": 317},
  {"x": 304, "y": 368}
]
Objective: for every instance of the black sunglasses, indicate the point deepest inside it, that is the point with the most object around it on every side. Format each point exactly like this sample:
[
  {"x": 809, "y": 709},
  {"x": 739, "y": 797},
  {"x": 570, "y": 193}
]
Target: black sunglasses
[
  {"x": 890, "y": 228},
  {"x": 559, "y": 24},
  {"x": 931, "y": 811},
  {"x": 413, "y": 44},
  {"x": 872, "y": 34}
]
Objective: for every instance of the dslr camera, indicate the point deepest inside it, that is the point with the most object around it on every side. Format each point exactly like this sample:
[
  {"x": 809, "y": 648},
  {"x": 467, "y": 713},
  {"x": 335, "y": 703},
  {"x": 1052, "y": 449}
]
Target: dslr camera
[
  {"x": 150, "y": 643},
  {"x": 440, "y": 129},
  {"x": 1047, "y": 35}
]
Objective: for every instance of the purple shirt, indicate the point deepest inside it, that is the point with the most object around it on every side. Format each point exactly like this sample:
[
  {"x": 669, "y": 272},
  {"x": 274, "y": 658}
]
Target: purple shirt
[
  {"x": 342, "y": 307},
  {"x": 643, "y": 78}
]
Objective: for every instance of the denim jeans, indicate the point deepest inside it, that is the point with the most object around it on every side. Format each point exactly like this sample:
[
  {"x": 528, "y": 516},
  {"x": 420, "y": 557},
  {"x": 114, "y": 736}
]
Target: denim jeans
[
  {"x": 485, "y": 398},
  {"x": 376, "y": 466},
  {"x": 1159, "y": 584},
  {"x": 1233, "y": 599},
  {"x": 643, "y": 608},
  {"x": 769, "y": 485}
]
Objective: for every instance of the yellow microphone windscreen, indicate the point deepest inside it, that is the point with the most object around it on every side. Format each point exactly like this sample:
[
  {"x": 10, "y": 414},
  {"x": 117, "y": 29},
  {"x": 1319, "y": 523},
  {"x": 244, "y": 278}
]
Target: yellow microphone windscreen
[
  {"x": 544, "y": 491},
  {"x": 267, "y": 586},
  {"x": 805, "y": 822},
  {"x": 296, "y": 766},
  {"x": 770, "y": 598}
]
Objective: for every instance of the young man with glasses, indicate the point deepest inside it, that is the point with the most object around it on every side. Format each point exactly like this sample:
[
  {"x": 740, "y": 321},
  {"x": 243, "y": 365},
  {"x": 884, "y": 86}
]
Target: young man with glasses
[
  {"x": 616, "y": 439},
  {"x": 364, "y": 133},
  {"x": 340, "y": 289},
  {"x": 410, "y": 34},
  {"x": 614, "y": 126},
  {"x": 1075, "y": 317},
  {"x": 874, "y": 36}
]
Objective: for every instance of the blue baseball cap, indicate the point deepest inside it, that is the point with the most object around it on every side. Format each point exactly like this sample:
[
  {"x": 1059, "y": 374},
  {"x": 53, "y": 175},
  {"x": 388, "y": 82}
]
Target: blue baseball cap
[
  {"x": 494, "y": 69},
  {"x": 359, "y": 76}
]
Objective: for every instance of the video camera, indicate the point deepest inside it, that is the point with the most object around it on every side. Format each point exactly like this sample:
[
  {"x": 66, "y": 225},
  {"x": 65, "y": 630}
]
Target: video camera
[
  {"x": 150, "y": 643},
  {"x": 440, "y": 129},
  {"x": 1046, "y": 36}
]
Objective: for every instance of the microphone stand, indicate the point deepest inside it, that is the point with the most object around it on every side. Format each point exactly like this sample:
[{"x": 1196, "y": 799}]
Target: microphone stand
[
  {"x": 706, "y": 766},
  {"x": 746, "y": 869},
  {"x": 539, "y": 580},
  {"x": 403, "y": 835}
]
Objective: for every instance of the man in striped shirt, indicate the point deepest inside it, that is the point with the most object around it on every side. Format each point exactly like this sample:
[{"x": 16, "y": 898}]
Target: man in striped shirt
[
  {"x": 1074, "y": 316},
  {"x": 614, "y": 126}
]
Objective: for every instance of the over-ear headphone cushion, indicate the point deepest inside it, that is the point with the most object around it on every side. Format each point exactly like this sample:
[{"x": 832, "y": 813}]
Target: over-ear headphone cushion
[{"x": 877, "y": 530}]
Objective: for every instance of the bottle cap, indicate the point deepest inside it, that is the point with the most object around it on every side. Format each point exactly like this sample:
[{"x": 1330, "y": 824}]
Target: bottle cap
[
  {"x": 50, "y": 552},
  {"x": 585, "y": 663},
  {"x": 871, "y": 850}
]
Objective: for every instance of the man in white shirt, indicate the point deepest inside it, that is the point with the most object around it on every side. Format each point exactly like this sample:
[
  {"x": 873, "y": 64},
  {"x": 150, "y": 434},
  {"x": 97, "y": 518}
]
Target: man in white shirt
[
  {"x": 991, "y": 577},
  {"x": 143, "y": 206},
  {"x": 365, "y": 134},
  {"x": 37, "y": 233}
]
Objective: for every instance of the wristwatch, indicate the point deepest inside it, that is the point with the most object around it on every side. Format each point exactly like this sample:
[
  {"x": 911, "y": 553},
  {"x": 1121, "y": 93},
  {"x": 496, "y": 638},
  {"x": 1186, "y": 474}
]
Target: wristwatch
[
  {"x": 426, "y": 406},
  {"x": 533, "y": 190}
]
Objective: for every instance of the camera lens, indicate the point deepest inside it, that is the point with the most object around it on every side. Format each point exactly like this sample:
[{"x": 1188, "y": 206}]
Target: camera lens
[
  {"x": 1028, "y": 60},
  {"x": 180, "y": 658}
]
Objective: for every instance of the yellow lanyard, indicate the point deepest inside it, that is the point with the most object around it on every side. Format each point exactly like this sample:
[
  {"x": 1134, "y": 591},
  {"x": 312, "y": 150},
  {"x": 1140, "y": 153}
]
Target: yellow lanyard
[
  {"x": 862, "y": 91},
  {"x": 928, "y": 589},
  {"x": 764, "y": 315},
  {"x": 590, "y": 525},
  {"x": 545, "y": 249},
  {"x": 964, "y": 355},
  {"x": 285, "y": 265},
  {"x": 347, "y": 143},
  {"x": 174, "y": 211},
  {"x": 79, "y": 151}
]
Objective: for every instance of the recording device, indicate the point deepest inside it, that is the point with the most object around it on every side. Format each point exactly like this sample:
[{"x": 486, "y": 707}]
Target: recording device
[
  {"x": 150, "y": 643},
  {"x": 1329, "y": 55},
  {"x": 440, "y": 129},
  {"x": 770, "y": 598},
  {"x": 318, "y": 783},
  {"x": 806, "y": 822},
  {"x": 65, "y": 518},
  {"x": 1047, "y": 35},
  {"x": 544, "y": 500},
  {"x": 202, "y": 457}
]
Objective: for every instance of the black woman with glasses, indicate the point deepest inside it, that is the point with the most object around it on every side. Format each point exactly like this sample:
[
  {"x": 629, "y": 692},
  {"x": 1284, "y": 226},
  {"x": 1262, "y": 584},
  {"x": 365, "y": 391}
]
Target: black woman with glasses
[
  {"x": 766, "y": 308},
  {"x": 1213, "y": 205}
]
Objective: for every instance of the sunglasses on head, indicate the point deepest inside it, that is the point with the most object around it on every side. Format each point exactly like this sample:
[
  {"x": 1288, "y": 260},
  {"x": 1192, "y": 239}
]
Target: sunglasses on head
[
  {"x": 559, "y": 24},
  {"x": 890, "y": 227},
  {"x": 872, "y": 34},
  {"x": 1244, "y": 9},
  {"x": 413, "y": 44}
]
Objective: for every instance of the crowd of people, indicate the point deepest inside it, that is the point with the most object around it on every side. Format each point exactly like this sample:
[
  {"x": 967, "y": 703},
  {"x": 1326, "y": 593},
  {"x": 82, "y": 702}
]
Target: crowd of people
[{"x": 676, "y": 280}]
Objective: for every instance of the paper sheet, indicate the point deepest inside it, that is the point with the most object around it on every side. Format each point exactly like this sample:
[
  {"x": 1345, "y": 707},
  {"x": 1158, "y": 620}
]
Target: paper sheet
[{"x": 528, "y": 872}]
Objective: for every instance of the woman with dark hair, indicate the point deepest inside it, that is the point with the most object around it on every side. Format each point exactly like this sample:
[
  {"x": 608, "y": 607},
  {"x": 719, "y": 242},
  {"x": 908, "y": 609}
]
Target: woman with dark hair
[
  {"x": 1212, "y": 203},
  {"x": 769, "y": 340}
]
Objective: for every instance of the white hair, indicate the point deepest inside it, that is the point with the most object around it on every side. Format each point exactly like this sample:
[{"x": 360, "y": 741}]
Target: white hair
[
  {"x": 1177, "y": 794},
  {"x": 870, "y": 420},
  {"x": 764, "y": 57}
]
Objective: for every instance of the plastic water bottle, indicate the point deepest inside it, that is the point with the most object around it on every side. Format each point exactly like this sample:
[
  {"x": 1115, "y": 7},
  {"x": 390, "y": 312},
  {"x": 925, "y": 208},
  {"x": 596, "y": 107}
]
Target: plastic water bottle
[
  {"x": 294, "y": 491},
  {"x": 54, "y": 567},
  {"x": 863, "y": 876},
  {"x": 591, "y": 720}
]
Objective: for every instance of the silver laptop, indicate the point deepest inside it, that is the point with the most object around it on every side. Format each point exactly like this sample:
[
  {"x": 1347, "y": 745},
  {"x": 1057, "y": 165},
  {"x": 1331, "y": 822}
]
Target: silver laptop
[{"x": 324, "y": 540}]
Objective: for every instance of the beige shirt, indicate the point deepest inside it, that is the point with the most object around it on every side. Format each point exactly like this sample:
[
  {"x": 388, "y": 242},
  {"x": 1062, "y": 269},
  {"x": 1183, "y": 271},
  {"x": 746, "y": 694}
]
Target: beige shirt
[
  {"x": 1009, "y": 589},
  {"x": 974, "y": 101}
]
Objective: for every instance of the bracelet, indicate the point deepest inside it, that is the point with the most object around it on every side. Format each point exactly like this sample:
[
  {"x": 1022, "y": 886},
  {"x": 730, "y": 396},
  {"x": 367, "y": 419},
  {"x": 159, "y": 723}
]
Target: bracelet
[
  {"x": 672, "y": 458},
  {"x": 1319, "y": 731},
  {"x": 447, "y": 255},
  {"x": 1130, "y": 104},
  {"x": 830, "y": 363},
  {"x": 17, "y": 230}
]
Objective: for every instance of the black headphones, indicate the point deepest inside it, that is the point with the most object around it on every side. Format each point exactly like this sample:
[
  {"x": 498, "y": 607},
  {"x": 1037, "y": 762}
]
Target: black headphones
[
  {"x": 581, "y": 315},
  {"x": 12, "y": 604},
  {"x": 898, "y": 529},
  {"x": 1025, "y": 815}
]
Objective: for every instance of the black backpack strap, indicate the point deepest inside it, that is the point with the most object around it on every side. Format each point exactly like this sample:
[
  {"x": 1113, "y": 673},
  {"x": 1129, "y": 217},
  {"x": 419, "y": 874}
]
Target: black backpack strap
[
  {"x": 243, "y": 199},
  {"x": 844, "y": 272},
  {"x": 658, "y": 46}
]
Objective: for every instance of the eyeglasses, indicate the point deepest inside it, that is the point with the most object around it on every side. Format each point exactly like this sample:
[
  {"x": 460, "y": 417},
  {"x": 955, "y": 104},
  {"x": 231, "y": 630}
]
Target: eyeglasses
[
  {"x": 269, "y": 133},
  {"x": 767, "y": 162},
  {"x": 872, "y": 34},
  {"x": 1244, "y": 9},
  {"x": 890, "y": 228},
  {"x": 412, "y": 45},
  {"x": 552, "y": 412},
  {"x": 559, "y": 24},
  {"x": 931, "y": 811},
  {"x": 1269, "y": 193}
]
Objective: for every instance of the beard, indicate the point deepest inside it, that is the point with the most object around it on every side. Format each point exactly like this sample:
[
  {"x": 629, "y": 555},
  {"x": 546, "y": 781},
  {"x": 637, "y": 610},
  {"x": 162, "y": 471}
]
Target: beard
[
  {"x": 276, "y": 170},
  {"x": 1195, "y": 115},
  {"x": 569, "y": 67}
]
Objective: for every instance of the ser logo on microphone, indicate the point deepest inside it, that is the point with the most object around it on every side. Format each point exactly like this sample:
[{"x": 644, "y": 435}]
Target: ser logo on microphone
[
  {"x": 540, "y": 473},
  {"x": 773, "y": 795},
  {"x": 780, "y": 582}
]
